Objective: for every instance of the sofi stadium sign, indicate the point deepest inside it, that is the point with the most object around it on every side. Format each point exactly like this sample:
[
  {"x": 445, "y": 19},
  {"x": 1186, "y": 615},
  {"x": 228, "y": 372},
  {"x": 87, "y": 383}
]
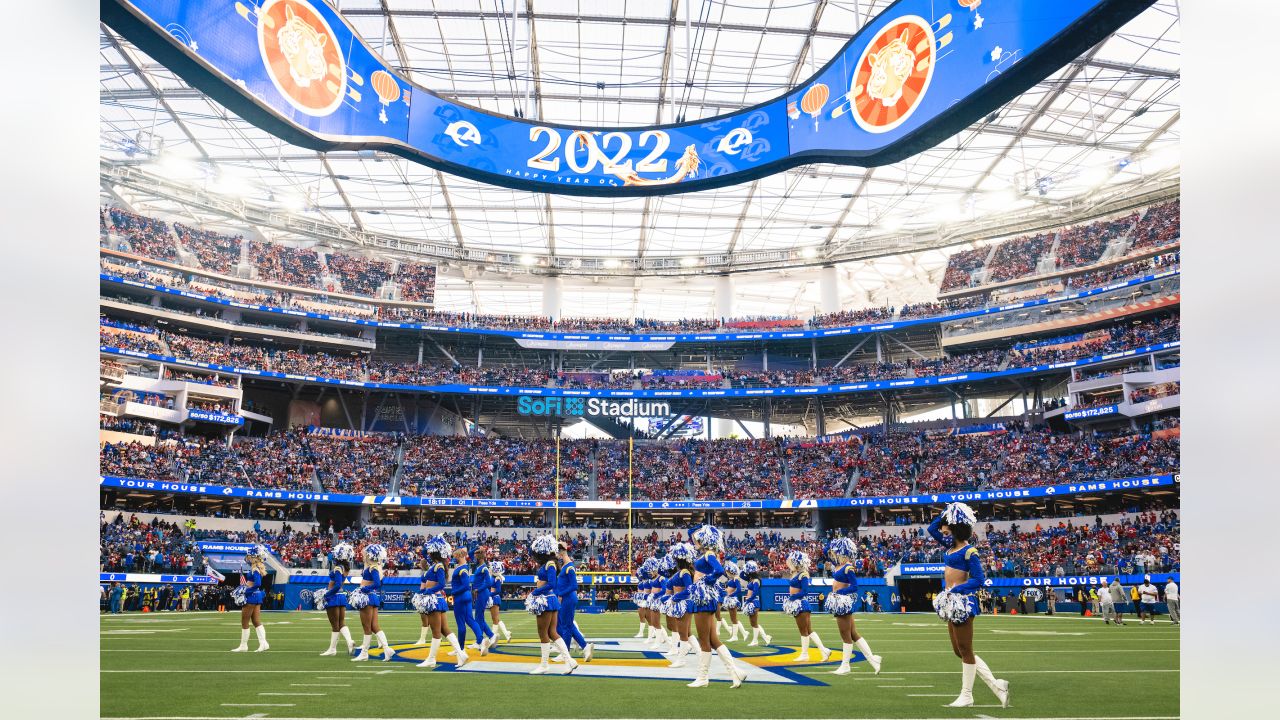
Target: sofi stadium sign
[
  {"x": 590, "y": 407},
  {"x": 914, "y": 75}
]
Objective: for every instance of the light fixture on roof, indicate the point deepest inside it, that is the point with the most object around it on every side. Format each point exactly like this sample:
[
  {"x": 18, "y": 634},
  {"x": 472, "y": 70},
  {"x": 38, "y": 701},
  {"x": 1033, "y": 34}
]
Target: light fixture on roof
[
  {"x": 890, "y": 223},
  {"x": 809, "y": 253},
  {"x": 689, "y": 261},
  {"x": 526, "y": 259},
  {"x": 612, "y": 264}
]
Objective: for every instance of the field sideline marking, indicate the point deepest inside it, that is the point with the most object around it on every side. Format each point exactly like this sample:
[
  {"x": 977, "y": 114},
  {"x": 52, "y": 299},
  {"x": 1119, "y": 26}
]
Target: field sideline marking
[{"x": 901, "y": 672}]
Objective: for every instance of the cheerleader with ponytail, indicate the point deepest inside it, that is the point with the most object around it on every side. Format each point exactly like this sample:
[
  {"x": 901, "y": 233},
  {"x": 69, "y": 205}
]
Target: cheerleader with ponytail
[
  {"x": 494, "y": 604},
  {"x": 481, "y": 587},
  {"x": 797, "y": 606},
  {"x": 431, "y": 604},
  {"x": 334, "y": 599},
  {"x": 704, "y": 595},
  {"x": 249, "y": 597},
  {"x": 368, "y": 599},
  {"x": 841, "y": 601},
  {"x": 957, "y": 604},
  {"x": 676, "y": 606},
  {"x": 733, "y": 600},
  {"x": 751, "y": 600},
  {"x": 543, "y": 604}
]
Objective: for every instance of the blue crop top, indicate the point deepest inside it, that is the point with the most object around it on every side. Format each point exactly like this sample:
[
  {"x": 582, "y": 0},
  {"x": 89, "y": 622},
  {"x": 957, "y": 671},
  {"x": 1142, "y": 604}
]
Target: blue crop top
[
  {"x": 373, "y": 577},
  {"x": 732, "y": 587},
  {"x": 336, "y": 579},
  {"x": 434, "y": 574},
  {"x": 547, "y": 574},
  {"x": 753, "y": 590},
  {"x": 710, "y": 567},
  {"x": 967, "y": 558},
  {"x": 844, "y": 574},
  {"x": 682, "y": 579},
  {"x": 799, "y": 584}
]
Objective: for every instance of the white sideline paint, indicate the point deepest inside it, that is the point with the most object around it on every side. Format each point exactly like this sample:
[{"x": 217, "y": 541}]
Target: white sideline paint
[
  {"x": 292, "y": 694},
  {"x": 316, "y": 685},
  {"x": 881, "y": 677}
]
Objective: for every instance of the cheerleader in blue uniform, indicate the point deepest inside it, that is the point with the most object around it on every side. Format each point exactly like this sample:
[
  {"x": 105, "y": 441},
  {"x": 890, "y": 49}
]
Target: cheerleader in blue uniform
[
  {"x": 463, "y": 613},
  {"x": 334, "y": 600},
  {"x": 676, "y": 645},
  {"x": 494, "y": 605},
  {"x": 639, "y": 597},
  {"x": 249, "y": 597},
  {"x": 368, "y": 600},
  {"x": 751, "y": 600},
  {"x": 797, "y": 606},
  {"x": 481, "y": 586},
  {"x": 677, "y": 605},
  {"x": 662, "y": 569},
  {"x": 841, "y": 601},
  {"x": 705, "y": 597},
  {"x": 543, "y": 604},
  {"x": 957, "y": 604},
  {"x": 732, "y": 584},
  {"x": 647, "y": 593},
  {"x": 567, "y": 591},
  {"x": 431, "y": 604}
]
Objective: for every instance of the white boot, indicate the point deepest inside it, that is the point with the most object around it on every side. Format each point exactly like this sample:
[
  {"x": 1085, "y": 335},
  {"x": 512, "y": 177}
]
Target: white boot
[
  {"x": 726, "y": 657},
  {"x": 458, "y": 652},
  {"x": 872, "y": 659},
  {"x": 364, "y": 649},
  {"x": 826, "y": 651},
  {"x": 346, "y": 635},
  {"x": 506, "y": 634},
  {"x": 846, "y": 650},
  {"x": 422, "y": 636},
  {"x": 261, "y": 631},
  {"x": 486, "y": 644},
  {"x": 704, "y": 672},
  {"x": 803, "y": 655},
  {"x": 543, "y": 667},
  {"x": 387, "y": 652},
  {"x": 740, "y": 630},
  {"x": 999, "y": 687},
  {"x": 768, "y": 639},
  {"x": 430, "y": 662},
  {"x": 568, "y": 658},
  {"x": 967, "y": 672},
  {"x": 677, "y": 657},
  {"x": 244, "y": 641},
  {"x": 588, "y": 652},
  {"x": 755, "y": 635},
  {"x": 640, "y": 632},
  {"x": 333, "y": 645}
]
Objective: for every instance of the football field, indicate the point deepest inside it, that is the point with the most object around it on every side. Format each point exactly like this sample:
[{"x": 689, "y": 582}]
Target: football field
[{"x": 178, "y": 666}]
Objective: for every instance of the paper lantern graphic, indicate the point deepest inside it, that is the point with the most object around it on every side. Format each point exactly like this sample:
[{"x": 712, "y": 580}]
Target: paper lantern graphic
[
  {"x": 813, "y": 100},
  {"x": 387, "y": 90}
]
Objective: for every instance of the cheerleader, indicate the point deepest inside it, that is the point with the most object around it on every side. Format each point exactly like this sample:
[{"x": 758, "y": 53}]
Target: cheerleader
[
  {"x": 498, "y": 573},
  {"x": 249, "y": 597},
  {"x": 705, "y": 598},
  {"x": 677, "y": 605},
  {"x": 657, "y": 599},
  {"x": 567, "y": 591},
  {"x": 543, "y": 604},
  {"x": 671, "y": 633},
  {"x": 430, "y": 602},
  {"x": 841, "y": 601},
  {"x": 751, "y": 603},
  {"x": 334, "y": 600},
  {"x": 640, "y": 598},
  {"x": 463, "y": 614},
  {"x": 481, "y": 584},
  {"x": 797, "y": 606},
  {"x": 647, "y": 600},
  {"x": 733, "y": 600},
  {"x": 957, "y": 603},
  {"x": 368, "y": 599}
]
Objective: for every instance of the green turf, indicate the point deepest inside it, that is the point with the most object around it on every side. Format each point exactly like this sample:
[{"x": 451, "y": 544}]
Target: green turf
[{"x": 173, "y": 665}]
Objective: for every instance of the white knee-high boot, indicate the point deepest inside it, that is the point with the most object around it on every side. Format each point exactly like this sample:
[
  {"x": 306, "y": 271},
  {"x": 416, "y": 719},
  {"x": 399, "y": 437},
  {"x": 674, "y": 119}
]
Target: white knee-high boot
[
  {"x": 261, "y": 631},
  {"x": 422, "y": 636},
  {"x": 704, "y": 671},
  {"x": 803, "y": 655},
  {"x": 430, "y": 662},
  {"x": 726, "y": 658},
  {"x": 364, "y": 649},
  {"x": 999, "y": 687},
  {"x": 458, "y": 652},
  {"x": 244, "y": 641},
  {"x": 872, "y": 659},
  {"x": 568, "y": 659},
  {"x": 387, "y": 652},
  {"x": 817, "y": 641},
  {"x": 345, "y": 632},
  {"x": 333, "y": 644},
  {"x": 967, "y": 673},
  {"x": 543, "y": 666},
  {"x": 506, "y": 634},
  {"x": 846, "y": 652}
]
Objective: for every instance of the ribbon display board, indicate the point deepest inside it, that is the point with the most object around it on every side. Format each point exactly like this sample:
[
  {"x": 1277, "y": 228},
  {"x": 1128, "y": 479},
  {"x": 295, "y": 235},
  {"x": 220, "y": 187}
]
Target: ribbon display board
[{"x": 915, "y": 74}]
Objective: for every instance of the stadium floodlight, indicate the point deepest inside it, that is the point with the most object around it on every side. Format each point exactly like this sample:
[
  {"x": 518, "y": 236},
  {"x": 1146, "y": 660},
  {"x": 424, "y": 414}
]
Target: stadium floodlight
[
  {"x": 689, "y": 261},
  {"x": 612, "y": 264},
  {"x": 1092, "y": 178},
  {"x": 809, "y": 253},
  {"x": 176, "y": 167},
  {"x": 526, "y": 259},
  {"x": 890, "y": 223}
]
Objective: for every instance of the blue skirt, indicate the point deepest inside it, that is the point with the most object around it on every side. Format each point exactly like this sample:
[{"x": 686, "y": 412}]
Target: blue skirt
[
  {"x": 254, "y": 598},
  {"x": 375, "y": 598},
  {"x": 338, "y": 600}
]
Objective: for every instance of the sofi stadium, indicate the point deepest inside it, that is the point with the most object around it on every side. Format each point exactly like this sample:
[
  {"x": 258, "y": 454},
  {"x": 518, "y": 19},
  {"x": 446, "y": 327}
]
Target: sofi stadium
[{"x": 470, "y": 308}]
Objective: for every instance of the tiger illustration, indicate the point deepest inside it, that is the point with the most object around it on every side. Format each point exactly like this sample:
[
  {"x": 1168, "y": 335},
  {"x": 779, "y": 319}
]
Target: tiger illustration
[
  {"x": 890, "y": 69},
  {"x": 303, "y": 48}
]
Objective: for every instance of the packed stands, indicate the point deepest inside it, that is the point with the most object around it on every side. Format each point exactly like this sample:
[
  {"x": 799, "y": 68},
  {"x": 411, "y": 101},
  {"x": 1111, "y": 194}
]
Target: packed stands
[
  {"x": 1018, "y": 257},
  {"x": 1161, "y": 225},
  {"x": 1083, "y": 245},
  {"x": 146, "y": 236},
  {"x": 214, "y": 251},
  {"x": 286, "y": 265},
  {"x": 960, "y": 266},
  {"x": 358, "y": 275},
  {"x": 155, "y": 547}
]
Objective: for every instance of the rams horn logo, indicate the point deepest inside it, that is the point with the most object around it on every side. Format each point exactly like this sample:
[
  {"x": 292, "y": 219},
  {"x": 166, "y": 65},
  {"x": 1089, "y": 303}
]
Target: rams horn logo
[
  {"x": 463, "y": 133},
  {"x": 733, "y": 143}
]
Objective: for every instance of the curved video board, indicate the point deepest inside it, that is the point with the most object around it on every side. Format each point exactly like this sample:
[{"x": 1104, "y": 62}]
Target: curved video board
[{"x": 912, "y": 76}]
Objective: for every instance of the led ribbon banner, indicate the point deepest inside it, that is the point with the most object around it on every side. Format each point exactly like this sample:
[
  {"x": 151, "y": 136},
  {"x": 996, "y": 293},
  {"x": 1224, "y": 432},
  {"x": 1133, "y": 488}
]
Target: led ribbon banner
[{"x": 914, "y": 75}]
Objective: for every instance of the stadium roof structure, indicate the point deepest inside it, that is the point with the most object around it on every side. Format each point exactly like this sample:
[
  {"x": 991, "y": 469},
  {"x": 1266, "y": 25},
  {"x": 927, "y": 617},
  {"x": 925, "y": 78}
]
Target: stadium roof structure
[{"x": 1098, "y": 136}]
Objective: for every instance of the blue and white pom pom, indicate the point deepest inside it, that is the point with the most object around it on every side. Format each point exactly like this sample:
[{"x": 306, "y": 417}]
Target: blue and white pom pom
[
  {"x": 730, "y": 602},
  {"x": 839, "y": 604},
  {"x": 496, "y": 568},
  {"x": 357, "y": 599},
  {"x": 536, "y": 604},
  {"x": 676, "y": 608},
  {"x": 423, "y": 603},
  {"x": 437, "y": 546},
  {"x": 958, "y": 513},
  {"x": 375, "y": 554},
  {"x": 731, "y": 569},
  {"x": 843, "y": 547},
  {"x": 751, "y": 567},
  {"x": 708, "y": 536},
  {"x": 703, "y": 594},
  {"x": 257, "y": 552},
  {"x": 750, "y": 608},
  {"x": 667, "y": 564},
  {"x": 792, "y": 607},
  {"x": 952, "y": 607},
  {"x": 309, "y": 599},
  {"x": 544, "y": 545},
  {"x": 798, "y": 560},
  {"x": 344, "y": 552},
  {"x": 681, "y": 551},
  {"x": 240, "y": 595}
]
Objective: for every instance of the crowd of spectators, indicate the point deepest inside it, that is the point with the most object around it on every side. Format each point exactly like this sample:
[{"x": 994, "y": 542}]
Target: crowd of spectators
[
  {"x": 134, "y": 426},
  {"x": 960, "y": 267},
  {"x": 1083, "y": 245},
  {"x": 1018, "y": 257},
  {"x": 1151, "y": 392},
  {"x": 286, "y": 265},
  {"x": 362, "y": 465},
  {"x": 134, "y": 546},
  {"x": 146, "y": 236},
  {"x": 1161, "y": 225},
  {"x": 358, "y": 275},
  {"x": 213, "y": 250}
]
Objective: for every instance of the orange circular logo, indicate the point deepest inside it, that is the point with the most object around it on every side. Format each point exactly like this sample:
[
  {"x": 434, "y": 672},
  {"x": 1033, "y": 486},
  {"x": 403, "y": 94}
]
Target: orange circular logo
[
  {"x": 893, "y": 74},
  {"x": 302, "y": 56}
]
